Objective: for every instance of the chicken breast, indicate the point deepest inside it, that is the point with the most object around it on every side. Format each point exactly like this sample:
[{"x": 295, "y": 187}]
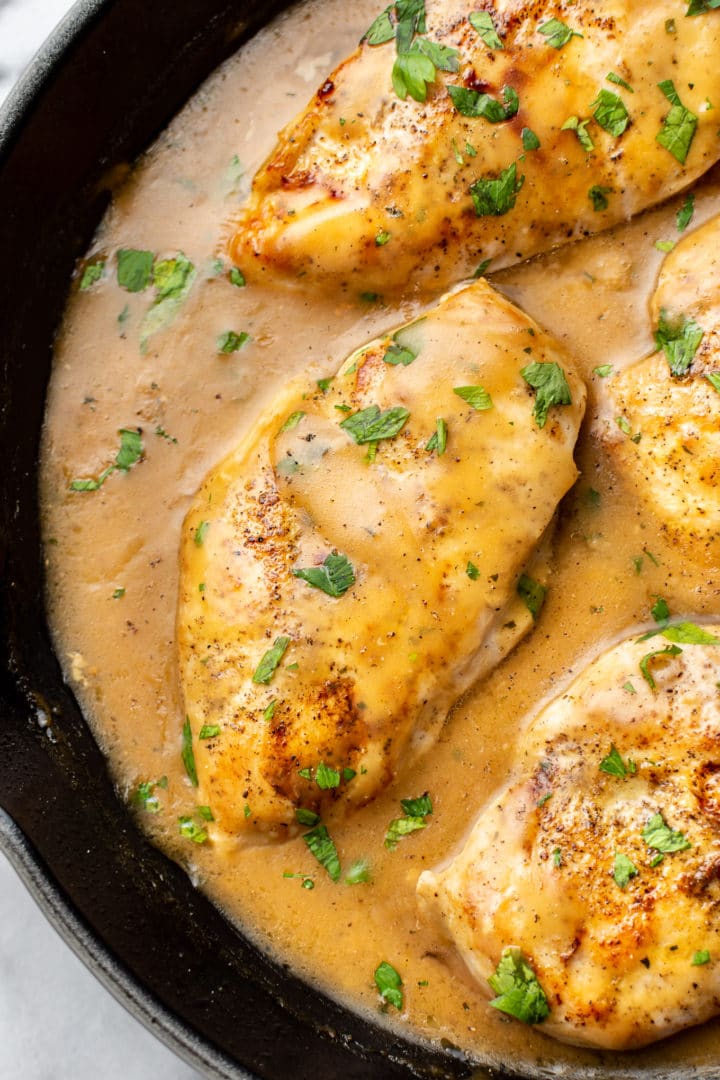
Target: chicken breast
[
  {"x": 592, "y": 880},
  {"x": 538, "y": 123},
  {"x": 662, "y": 418},
  {"x": 357, "y": 561}
]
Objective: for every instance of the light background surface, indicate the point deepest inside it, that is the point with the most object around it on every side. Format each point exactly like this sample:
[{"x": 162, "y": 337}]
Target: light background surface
[{"x": 56, "y": 1020}]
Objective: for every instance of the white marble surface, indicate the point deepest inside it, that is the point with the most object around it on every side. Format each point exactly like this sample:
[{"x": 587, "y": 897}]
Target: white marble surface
[{"x": 56, "y": 1021}]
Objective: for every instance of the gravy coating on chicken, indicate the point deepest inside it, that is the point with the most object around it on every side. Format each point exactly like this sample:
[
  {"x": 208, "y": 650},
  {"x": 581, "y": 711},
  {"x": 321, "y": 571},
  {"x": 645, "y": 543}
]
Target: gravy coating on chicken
[
  {"x": 539, "y": 123},
  {"x": 353, "y": 566},
  {"x": 600, "y": 859},
  {"x": 662, "y": 416}
]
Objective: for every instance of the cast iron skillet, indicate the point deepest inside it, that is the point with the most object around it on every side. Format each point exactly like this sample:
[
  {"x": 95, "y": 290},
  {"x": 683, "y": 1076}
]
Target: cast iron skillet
[{"x": 110, "y": 78}]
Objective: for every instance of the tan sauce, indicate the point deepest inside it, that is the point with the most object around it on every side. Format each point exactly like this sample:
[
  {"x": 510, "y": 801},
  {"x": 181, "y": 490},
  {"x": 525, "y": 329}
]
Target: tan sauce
[{"x": 118, "y": 651}]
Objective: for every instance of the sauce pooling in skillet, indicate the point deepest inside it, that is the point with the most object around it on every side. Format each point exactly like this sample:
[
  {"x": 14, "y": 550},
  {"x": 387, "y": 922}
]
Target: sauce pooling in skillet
[{"x": 192, "y": 369}]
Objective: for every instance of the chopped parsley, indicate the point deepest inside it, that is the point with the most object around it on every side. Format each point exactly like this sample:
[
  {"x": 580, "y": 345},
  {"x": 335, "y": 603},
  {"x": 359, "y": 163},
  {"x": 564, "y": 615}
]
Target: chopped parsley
[
  {"x": 358, "y": 873},
  {"x": 679, "y": 339},
  {"x": 270, "y": 660},
  {"x": 603, "y": 371},
  {"x": 613, "y": 78},
  {"x": 481, "y": 269},
  {"x": 134, "y": 269},
  {"x": 532, "y": 594},
  {"x": 672, "y": 650},
  {"x": 699, "y": 7},
  {"x": 597, "y": 195},
  {"x": 173, "y": 279},
  {"x": 292, "y": 421},
  {"x": 496, "y": 195},
  {"x": 472, "y": 103},
  {"x": 411, "y": 73},
  {"x": 438, "y": 440},
  {"x": 658, "y": 835},
  {"x": 665, "y": 245},
  {"x": 610, "y": 112},
  {"x": 118, "y": 593},
  {"x": 370, "y": 425},
  {"x": 334, "y": 577},
  {"x": 145, "y": 796},
  {"x": 306, "y": 817},
  {"x": 472, "y": 571},
  {"x": 382, "y": 238},
  {"x": 209, "y": 731},
  {"x": 481, "y": 21},
  {"x": 574, "y": 123},
  {"x": 130, "y": 453},
  {"x": 381, "y": 30},
  {"x": 269, "y": 710},
  {"x": 397, "y": 354},
  {"x": 530, "y": 140},
  {"x": 414, "y": 813},
  {"x": 475, "y": 396},
  {"x": 623, "y": 869},
  {"x": 92, "y": 273},
  {"x": 551, "y": 386},
  {"x": 701, "y": 956},
  {"x": 389, "y": 984},
  {"x": 190, "y": 829},
  {"x": 230, "y": 341},
  {"x": 679, "y": 126},
  {"x": 205, "y": 813},
  {"x": 685, "y": 214},
  {"x": 237, "y": 277},
  {"x": 614, "y": 765},
  {"x": 321, "y": 845},
  {"x": 519, "y": 993},
  {"x": 713, "y": 377},
  {"x": 557, "y": 33},
  {"x": 200, "y": 533},
  {"x": 326, "y": 777},
  {"x": 187, "y": 753},
  {"x": 557, "y": 858}
]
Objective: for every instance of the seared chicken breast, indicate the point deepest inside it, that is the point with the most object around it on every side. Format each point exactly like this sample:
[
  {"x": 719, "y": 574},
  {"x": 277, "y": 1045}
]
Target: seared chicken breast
[
  {"x": 357, "y": 562},
  {"x": 484, "y": 132},
  {"x": 662, "y": 417},
  {"x": 589, "y": 888}
]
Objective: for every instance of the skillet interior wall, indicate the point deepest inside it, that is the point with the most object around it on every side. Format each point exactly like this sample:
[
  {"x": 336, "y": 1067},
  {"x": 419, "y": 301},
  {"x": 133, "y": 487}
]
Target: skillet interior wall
[{"x": 108, "y": 82}]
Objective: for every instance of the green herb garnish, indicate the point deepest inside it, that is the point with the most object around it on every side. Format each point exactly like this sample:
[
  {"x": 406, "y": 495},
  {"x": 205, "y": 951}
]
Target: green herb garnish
[
  {"x": 481, "y": 21},
  {"x": 134, "y": 269},
  {"x": 679, "y": 126},
  {"x": 679, "y": 339},
  {"x": 270, "y": 660},
  {"x": 474, "y": 104},
  {"x": 389, "y": 984},
  {"x": 598, "y": 197},
  {"x": 658, "y": 835},
  {"x": 519, "y": 992},
  {"x": 188, "y": 754},
  {"x": 610, "y": 112},
  {"x": 623, "y": 870},
  {"x": 496, "y": 195},
  {"x": 476, "y": 396},
  {"x": 131, "y": 451},
  {"x": 230, "y": 342},
  {"x": 92, "y": 273},
  {"x": 334, "y": 577},
  {"x": 370, "y": 425},
  {"x": 323, "y": 848},
  {"x": 438, "y": 440},
  {"x": 672, "y": 650},
  {"x": 551, "y": 386},
  {"x": 614, "y": 765},
  {"x": 532, "y": 594},
  {"x": 530, "y": 140},
  {"x": 685, "y": 214}
]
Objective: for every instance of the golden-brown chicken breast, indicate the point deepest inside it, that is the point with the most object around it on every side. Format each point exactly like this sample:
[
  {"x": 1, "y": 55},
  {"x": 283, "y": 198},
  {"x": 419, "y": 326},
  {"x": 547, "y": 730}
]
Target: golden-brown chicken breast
[
  {"x": 358, "y": 561},
  {"x": 484, "y": 131},
  {"x": 662, "y": 417},
  {"x": 589, "y": 889}
]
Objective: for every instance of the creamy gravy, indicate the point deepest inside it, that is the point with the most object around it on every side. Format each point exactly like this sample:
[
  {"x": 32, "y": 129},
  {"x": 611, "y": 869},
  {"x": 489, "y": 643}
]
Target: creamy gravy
[{"x": 118, "y": 650}]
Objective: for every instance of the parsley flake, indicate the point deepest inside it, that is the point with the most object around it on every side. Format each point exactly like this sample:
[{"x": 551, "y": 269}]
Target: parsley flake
[
  {"x": 532, "y": 594},
  {"x": 530, "y": 140},
  {"x": 209, "y": 731},
  {"x": 472, "y": 571},
  {"x": 613, "y": 78},
  {"x": 334, "y": 577},
  {"x": 191, "y": 830},
  {"x": 130, "y": 453},
  {"x": 389, "y": 984},
  {"x": 321, "y": 845},
  {"x": 494, "y": 196},
  {"x": 679, "y": 126},
  {"x": 475, "y": 396},
  {"x": 610, "y": 112},
  {"x": 438, "y": 440},
  {"x": 679, "y": 339},
  {"x": 481, "y": 21},
  {"x": 92, "y": 273},
  {"x": 230, "y": 341},
  {"x": 414, "y": 813},
  {"x": 672, "y": 650},
  {"x": 574, "y": 123},
  {"x": 270, "y": 660},
  {"x": 658, "y": 835},
  {"x": 702, "y": 956},
  {"x": 623, "y": 870},
  {"x": 685, "y": 214},
  {"x": 597, "y": 195},
  {"x": 358, "y": 873},
  {"x": 614, "y": 765},
  {"x": 200, "y": 533},
  {"x": 518, "y": 990},
  {"x": 370, "y": 425},
  {"x": 472, "y": 103},
  {"x": 551, "y": 386},
  {"x": 557, "y": 33},
  {"x": 134, "y": 269},
  {"x": 187, "y": 752}
]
